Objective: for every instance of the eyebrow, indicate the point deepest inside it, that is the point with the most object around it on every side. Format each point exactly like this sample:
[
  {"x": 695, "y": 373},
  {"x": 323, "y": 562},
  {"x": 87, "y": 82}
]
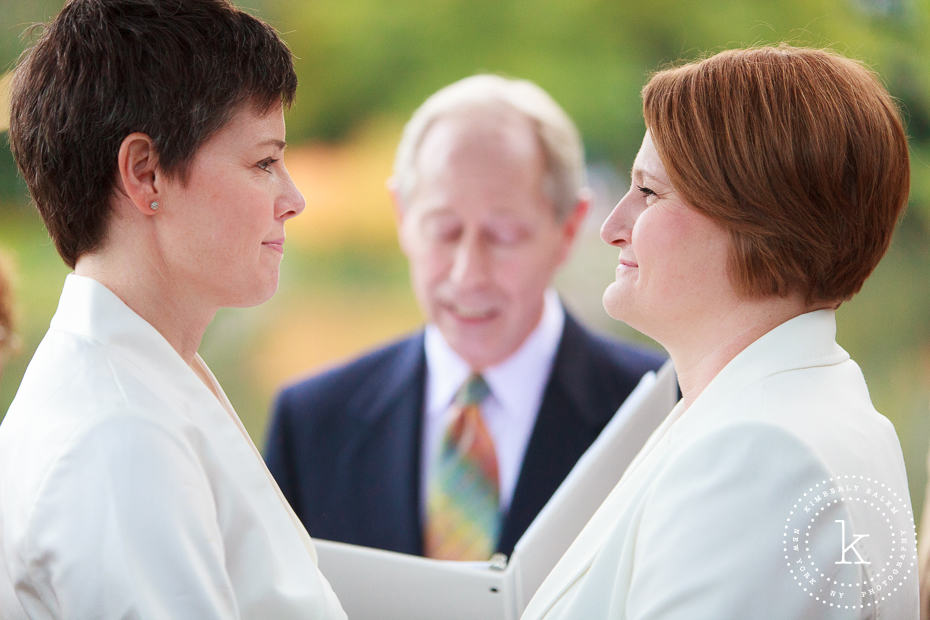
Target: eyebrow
[
  {"x": 643, "y": 174},
  {"x": 280, "y": 144},
  {"x": 435, "y": 209}
]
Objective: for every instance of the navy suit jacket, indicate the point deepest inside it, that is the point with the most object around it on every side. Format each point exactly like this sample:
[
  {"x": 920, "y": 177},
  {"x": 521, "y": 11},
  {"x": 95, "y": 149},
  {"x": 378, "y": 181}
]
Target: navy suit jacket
[{"x": 344, "y": 446}]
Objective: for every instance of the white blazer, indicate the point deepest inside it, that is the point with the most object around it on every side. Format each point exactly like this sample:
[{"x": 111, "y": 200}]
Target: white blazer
[
  {"x": 780, "y": 493},
  {"x": 128, "y": 489}
]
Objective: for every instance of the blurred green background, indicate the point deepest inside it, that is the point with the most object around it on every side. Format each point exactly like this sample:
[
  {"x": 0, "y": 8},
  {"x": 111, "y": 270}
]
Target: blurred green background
[{"x": 364, "y": 65}]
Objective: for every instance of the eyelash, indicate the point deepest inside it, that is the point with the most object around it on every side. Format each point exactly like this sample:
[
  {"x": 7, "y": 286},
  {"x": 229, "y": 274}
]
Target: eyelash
[
  {"x": 265, "y": 164},
  {"x": 645, "y": 191}
]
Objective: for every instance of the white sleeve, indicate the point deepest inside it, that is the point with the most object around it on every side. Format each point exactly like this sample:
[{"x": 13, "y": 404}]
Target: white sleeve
[
  {"x": 714, "y": 536},
  {"x": 125, "y": 526}
]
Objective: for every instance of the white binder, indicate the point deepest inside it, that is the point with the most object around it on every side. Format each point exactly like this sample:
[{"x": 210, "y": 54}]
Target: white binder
[{"x": 373, "y": 584}]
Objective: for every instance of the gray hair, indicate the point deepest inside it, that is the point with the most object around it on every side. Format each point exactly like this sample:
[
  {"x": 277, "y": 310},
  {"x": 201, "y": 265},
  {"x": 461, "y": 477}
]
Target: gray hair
[{"x": 564, "y": 179}]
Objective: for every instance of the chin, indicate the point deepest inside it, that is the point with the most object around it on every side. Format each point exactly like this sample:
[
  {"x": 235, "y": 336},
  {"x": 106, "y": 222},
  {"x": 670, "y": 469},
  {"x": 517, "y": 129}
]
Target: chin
[
  {"x": 612, "y": 301},
  {"x": 266, "y": 295},
  {"x": 618, "y": 307},
  {"x": 470, "y": 351},
  {"x": 254, "y": 297},
  {"x": 479, "y": 353}
]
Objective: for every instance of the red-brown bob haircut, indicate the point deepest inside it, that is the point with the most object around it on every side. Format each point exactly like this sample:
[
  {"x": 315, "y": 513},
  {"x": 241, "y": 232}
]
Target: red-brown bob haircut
[
  {"x": 799, "y": 153},
  {"x": 103, "y": 69}
]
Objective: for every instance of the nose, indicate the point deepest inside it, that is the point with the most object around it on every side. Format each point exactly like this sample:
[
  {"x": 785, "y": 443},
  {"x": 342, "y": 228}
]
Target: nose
[
  {"x": 618, "y": 226},
  {"x": 470, "y": 262},
  {"x": 290, "y": 201}
]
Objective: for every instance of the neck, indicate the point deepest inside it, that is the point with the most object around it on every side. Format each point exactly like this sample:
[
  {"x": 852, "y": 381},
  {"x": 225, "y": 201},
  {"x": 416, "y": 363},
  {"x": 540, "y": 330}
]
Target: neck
[
  {"x": 144, "y": 286},
  {"x": 701, "y": 351}
]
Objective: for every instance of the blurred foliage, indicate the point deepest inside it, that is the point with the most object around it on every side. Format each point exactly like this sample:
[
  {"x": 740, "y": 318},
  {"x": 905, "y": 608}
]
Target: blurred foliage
[
  {"x": 367, "y": 58},
  {"x": 364, "y": 65}
]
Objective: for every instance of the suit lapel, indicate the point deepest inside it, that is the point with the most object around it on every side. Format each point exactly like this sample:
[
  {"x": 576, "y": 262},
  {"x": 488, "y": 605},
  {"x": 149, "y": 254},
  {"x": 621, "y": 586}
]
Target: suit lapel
[
  {"x": 770, "y": 354},
  {"x": 210, "y": 404},
  {"x": 572, "y": 413},
  {"x": 383, "y": 457},
  {"x": 577, "y": 560}
]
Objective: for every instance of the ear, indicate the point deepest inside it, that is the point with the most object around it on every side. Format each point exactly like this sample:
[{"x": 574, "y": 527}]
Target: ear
[
  {"x": 573, "y": 221},
  {"x": 394, "y": 191},
  {"x": 393, "y": 188},
  {"x": 137, "y": 165}
]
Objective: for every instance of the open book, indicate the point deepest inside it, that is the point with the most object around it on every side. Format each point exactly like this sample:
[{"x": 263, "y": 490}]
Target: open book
[{"x": 373, "y": 584}]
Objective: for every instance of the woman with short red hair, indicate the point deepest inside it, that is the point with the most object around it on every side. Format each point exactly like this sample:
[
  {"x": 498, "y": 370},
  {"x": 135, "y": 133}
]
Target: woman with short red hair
[{"x": 766, "y": 190}]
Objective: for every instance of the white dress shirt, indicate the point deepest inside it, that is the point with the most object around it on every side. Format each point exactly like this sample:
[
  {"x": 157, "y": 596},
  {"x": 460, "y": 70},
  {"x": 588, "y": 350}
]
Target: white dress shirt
[
  {"x": 751, "y": 502},
  {"x": 509, "y": 412},
  {"x": 129, "y": 488}
]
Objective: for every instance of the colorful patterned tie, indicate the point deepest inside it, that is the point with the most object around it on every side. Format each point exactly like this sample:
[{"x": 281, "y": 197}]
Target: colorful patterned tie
[{"x": 462, "y": 515}]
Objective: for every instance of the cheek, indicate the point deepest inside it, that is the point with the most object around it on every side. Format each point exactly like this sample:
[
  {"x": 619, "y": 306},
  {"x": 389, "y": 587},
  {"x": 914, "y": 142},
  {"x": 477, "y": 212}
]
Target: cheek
[
  {"x": 428, "y": 266},
  {"x": 665, "y": 252},
  {"x": 232, "y": 238},
  {"x": 527, "y": 272},
  {"x": 681, "y": 254},
  {"x": 651, "y": 243}
]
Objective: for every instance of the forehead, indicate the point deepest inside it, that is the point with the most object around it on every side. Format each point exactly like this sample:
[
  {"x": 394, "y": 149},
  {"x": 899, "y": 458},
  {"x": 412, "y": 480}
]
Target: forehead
[
  {"x": 480, "y": 162},
  {"x": 466, "y": 139},
  {"x": 647, "y": 160},
  {"x": 249, "y": 126}
]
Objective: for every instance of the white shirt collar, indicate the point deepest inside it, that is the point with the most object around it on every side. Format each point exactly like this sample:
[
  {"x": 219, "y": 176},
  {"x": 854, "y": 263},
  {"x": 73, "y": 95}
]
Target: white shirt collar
[
  {"x": 517, "y": 385},
  {"x": 525, "y": 370}
]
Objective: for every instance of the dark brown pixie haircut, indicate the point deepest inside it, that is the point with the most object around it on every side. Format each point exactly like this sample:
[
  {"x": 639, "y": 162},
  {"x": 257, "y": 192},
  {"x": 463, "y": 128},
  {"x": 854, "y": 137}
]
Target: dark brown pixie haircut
[
  {"x": 799, "y": 153},
  {"x": 173, "y": 69}
]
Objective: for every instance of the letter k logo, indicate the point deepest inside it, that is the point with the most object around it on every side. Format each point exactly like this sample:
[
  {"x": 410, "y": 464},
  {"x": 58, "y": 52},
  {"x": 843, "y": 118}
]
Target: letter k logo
[{"x": 851, "y": 546}]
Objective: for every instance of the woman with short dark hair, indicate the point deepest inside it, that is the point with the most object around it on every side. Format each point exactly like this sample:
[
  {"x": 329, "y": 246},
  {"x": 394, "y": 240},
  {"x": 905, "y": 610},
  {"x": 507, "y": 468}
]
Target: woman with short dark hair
[
  {"x": 766, "y": 190},
  {"x": 150, "y": 134}
]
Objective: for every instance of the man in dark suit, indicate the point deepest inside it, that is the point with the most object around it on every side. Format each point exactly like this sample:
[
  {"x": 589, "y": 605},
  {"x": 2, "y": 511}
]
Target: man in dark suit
[{"x": 489, "y": 192}]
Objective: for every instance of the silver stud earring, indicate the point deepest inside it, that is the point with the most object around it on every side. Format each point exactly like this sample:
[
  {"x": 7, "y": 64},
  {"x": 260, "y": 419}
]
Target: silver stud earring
[{"x": 153, "y": 205}]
